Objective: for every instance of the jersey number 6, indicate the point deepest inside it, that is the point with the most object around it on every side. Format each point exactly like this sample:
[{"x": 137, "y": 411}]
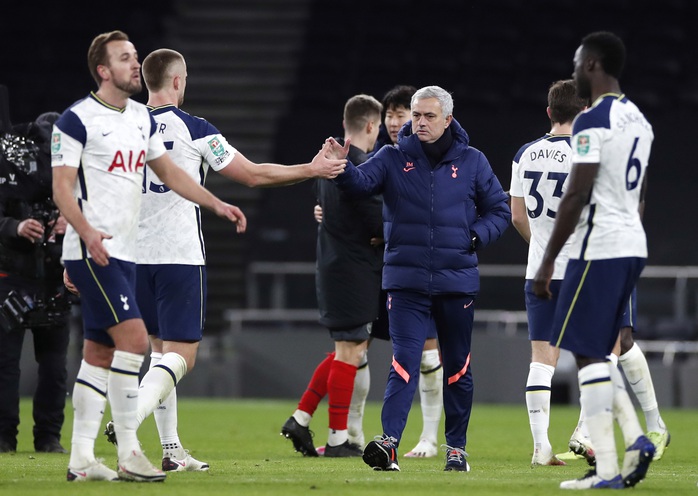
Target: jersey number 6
[{"x": 633, "y": 170}]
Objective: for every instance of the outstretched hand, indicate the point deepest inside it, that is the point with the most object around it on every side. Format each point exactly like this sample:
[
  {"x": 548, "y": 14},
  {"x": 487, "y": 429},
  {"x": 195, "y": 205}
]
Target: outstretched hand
[
  {"x": 335, "y": 150},
  {"x": 326, "y": 166}
]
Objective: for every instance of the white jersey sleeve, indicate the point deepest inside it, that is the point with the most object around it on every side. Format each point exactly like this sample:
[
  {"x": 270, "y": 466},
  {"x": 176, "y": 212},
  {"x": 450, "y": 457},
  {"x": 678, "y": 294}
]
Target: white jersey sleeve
[
  {"x": 169, "y": 229},
  {"x": 539, "y": 175},
  {"x": 614, "y": 134},
  {"x": 109, "y": 146}
]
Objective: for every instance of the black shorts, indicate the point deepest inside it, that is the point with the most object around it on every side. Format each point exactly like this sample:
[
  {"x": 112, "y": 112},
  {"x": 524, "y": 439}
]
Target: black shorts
[{"x": 358, "y": 334}]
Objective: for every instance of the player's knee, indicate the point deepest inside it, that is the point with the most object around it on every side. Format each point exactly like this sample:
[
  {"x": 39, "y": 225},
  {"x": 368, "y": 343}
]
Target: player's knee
[
  {"x": 626, "y": 340},
  {"x": 191, "y": 361},
  {"x": 176, "y": 364},
  {"x": 430, "y": 361},
  {"x": 362, "y": 357},
  {"x": 351, "y": 354}
]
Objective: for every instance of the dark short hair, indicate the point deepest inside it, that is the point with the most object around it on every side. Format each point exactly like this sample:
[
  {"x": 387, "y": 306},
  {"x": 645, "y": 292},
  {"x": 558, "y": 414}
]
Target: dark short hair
[
  {"x": 398, "y": 96},
  {"x": 563, "y": 101},
  {"x": 97, "y": 54},
  {"x": 610, "y": 50}
]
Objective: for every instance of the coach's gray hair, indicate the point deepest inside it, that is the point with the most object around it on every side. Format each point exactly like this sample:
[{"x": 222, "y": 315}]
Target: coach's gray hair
[{"x": 443, "y": 96}]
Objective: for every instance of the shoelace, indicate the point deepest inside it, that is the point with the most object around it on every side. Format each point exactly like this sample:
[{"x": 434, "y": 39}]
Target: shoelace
[
  {"x": 383, "y": 439},
  {"x": 171, "y": 454},
  {"x": 456, "y": 455}
]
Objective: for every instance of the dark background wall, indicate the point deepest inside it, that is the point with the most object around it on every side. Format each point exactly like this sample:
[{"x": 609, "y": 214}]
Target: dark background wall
[
  {"x": 498, "y": 59},
  {"x": 43, "y": 59}
]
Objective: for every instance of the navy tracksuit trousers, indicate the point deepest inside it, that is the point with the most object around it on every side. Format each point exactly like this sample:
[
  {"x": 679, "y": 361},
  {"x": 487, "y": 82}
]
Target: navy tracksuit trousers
[{"x": 410, "y": 317}]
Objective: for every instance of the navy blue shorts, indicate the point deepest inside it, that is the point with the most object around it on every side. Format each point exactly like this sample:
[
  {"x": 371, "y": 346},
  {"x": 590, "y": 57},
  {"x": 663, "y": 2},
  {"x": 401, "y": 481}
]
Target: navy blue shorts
[
  {"x": 630, "y": 313},
  {"x": 107, "y": 295},
  {"x": 540, "y": 312},
  {"x": 172, "y": 299},
  {"x": 591, "y": 303}
]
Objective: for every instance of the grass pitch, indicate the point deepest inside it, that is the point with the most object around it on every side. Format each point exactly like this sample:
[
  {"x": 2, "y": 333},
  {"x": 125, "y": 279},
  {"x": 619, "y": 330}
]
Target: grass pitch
[{"x": 240, "y": 439}]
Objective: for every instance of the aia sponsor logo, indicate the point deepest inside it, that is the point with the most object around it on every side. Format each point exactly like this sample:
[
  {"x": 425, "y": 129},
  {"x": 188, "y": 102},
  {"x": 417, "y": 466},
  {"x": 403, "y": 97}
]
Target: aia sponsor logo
[{"x": 127, "y": 162}]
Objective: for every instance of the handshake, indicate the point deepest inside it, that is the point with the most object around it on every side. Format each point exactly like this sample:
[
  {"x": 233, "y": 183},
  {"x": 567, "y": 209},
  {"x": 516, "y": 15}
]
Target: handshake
[{"x": 331, "y": 160}]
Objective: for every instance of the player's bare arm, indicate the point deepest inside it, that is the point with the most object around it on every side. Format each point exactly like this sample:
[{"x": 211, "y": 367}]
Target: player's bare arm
[
  {"x": 176, "y": 179},
  {"x": 63, "y": 184},
  {"x": 254, "y": 175},
  {"x": 519, "y": 217},
  {"x": 580, "y": 182},
  {"x": 643, "y": 192}
]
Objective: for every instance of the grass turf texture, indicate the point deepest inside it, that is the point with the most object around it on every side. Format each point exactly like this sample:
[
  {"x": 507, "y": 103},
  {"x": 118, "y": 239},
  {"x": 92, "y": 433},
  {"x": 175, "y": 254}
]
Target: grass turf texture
[{"x": 240, "y": 439}]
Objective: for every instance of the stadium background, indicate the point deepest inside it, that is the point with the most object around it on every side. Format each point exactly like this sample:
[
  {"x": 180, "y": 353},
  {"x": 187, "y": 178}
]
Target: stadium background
[{"x": 273, "y": 76}]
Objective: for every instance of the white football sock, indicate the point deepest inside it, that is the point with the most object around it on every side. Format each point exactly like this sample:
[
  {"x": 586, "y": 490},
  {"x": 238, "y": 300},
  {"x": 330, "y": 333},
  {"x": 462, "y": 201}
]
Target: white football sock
[
  {"x": 623, "y": 409},
  {"x": 638, "y": 374},
  {"x": 166, "y": 419},
  {"x": 596, "y": 395},
  {"x": 303, "y": 418},
  {"x": 123, "y": 398},
  {"x": 159, "y": 382},
  {"x": 431, "y": 390},
  {"x": 362, "y": 384},
  {"x": 335, "y": 437},
  {"x": 538, "y": 385},
  {"x": 89, "y": 401}
]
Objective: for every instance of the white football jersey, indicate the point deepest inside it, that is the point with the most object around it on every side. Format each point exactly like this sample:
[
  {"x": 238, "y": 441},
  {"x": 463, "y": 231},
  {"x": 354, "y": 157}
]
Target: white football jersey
[
  {"x": 169, "y": 231},
  {"x": 110, "y": 147},
  {"x": 539, "y": 174},
  {"x": 614, "y": 134}
]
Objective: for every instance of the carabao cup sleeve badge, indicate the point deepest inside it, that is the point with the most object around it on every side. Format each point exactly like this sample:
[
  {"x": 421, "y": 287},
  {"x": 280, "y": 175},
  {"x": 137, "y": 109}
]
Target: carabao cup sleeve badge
[
  {"x": 55, "y": 142},
  {"x": 216, "y": 147},
  {"x": 583, "y": 144}
]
